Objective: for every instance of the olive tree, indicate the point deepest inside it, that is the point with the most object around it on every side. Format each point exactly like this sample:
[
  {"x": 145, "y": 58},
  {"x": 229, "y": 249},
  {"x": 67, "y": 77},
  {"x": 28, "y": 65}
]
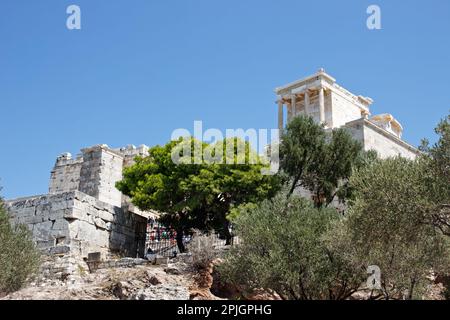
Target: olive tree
[
  {"x": 283, "y": 250},
  {"x": 386, "y": 224},
  {"x": 318, "y": 160},
  {"x": 19, "y": 258}
]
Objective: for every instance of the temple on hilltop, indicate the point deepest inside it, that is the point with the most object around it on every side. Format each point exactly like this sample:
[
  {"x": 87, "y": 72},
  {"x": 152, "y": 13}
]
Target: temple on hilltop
[
  {"x": 320, "y": 97},
  {"x": 84, "y": 214}
]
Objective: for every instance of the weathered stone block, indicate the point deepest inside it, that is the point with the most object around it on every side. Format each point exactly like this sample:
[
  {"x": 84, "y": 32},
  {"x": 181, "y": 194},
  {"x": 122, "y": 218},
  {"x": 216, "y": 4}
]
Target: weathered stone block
[
  {"x": 58, "y": 214},
  {"x": 60, "y": 224},
  {"x": 32, "y": 219},
  {"x": 106, "y": 216},
  {"x": 60, "y": 250},
  {"x": 41, "y": 231},
  {"x": 75, "y": 214},
  {"x": 60, "y": 234},
  {"x": 99, "y": 223}
]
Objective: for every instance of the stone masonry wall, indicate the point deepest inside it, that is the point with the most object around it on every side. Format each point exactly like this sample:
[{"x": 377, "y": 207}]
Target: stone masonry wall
[
  {"x": 95, "y": 173},
  {"x": 386, "y": 143},
  {"x": 65, "y": 175},
  {"x": 130, "y": 152},
  {"x": 101, "y": 227},
  {"x": 44, "y": 216},
  {"x": 374, "y": 138},
  {"x": 343, "y": 110},
  {"x": 101, "y": 169},
  {"x": 76, "y": 224}
]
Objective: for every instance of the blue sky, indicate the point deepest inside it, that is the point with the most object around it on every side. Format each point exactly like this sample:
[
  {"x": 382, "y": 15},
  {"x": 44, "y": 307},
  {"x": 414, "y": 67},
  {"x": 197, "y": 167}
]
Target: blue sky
[{"x": 139, "y": 69}]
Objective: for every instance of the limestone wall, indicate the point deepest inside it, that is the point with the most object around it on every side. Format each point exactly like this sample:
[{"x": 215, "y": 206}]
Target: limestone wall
[
  {"x": 375, "y": 138},
  {"x": 65, "y": 175},
  {"x": 343, "y": 110},
  {"x": 98, "y": 226},
  {"x": 95, "y": 172},
  {"x": 77, "y": 224},
  {"x": 386, "y": 144},
  {"x": 130, "y": 152},
  {"x": 101, "y": 169},
  {"x": 44, "y": 216},
  {"x": 313, "y": 107}
]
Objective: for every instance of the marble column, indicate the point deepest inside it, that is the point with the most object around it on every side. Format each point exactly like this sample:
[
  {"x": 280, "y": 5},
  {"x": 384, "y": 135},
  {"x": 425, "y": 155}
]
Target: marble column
[
  {"x": 293, "y": 105},
  {"x": 306, "y": 102},
  {"x": 290, "y": 111},
  {"x": 280, "y": 115},
  {"x": 321, "y": 105}
]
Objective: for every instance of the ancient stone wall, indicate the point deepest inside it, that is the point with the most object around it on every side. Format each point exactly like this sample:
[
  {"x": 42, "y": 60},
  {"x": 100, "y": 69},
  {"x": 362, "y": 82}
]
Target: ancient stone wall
[
  {"x": 386, "y": 143},
  {"x": 65, "y": 175},
  {"x": 343, "y": 110},
  {"x": 95, "y": 172},
  {"x": 76, "y": 224},
  {"x": 375, "y": 138},
  {"x": 101, "y": 169},
  {"x": 44, "y": 216},
  {"x": 130, "y": 152}
]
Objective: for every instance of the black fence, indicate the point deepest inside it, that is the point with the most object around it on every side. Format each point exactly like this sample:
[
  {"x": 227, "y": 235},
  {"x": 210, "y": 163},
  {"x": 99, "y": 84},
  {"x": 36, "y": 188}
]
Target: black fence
[{"x": 167, "y": 246}]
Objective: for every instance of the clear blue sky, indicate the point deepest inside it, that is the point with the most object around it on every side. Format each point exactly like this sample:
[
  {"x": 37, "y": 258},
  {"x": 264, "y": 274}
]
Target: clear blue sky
[{"x": 137, "y": 70}]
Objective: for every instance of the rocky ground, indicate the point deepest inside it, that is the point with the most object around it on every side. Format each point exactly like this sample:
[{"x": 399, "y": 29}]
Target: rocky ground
[
  {"x": 141, "y": 282},
  {"x": 145, "y": 281}
]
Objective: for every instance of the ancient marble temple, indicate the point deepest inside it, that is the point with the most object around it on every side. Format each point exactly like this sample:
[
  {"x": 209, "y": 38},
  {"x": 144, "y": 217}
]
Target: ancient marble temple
[{"x": 320, "y": 97}]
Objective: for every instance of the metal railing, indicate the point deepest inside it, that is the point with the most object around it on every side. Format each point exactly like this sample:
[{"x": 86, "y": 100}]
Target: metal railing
[{"x": 167, "y": 247}]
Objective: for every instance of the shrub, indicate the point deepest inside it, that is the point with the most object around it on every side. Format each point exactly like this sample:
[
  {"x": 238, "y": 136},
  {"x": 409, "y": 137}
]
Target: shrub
[
  {"x": 387, "y": 223},
  {"x": 19, "y": 258},
  {"x": 282, "y": 250},
  {"x": 202, "y": 250}
]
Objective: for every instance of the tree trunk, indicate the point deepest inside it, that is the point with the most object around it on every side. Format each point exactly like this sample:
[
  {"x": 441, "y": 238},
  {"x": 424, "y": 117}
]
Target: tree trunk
[
  {"x": 227, "y": 233},
  {"x": 180, "y": 243},
  {"x": 411, "y": 289}
]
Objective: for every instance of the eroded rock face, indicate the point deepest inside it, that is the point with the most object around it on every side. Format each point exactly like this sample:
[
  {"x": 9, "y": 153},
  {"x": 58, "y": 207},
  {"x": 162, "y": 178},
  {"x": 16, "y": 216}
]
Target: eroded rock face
[
  {"x": 203, "y": 283},
  {"x": 139, "y": 282}
]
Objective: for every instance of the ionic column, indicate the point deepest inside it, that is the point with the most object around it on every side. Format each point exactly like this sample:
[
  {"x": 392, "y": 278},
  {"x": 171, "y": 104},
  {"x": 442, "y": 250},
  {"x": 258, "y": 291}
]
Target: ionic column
[
  {"x": 290, "y": 111},
  {"x": 306, "y": 102},
  {"x": 280, "y": 115},
  {"x": 294, "y": 107},
  {"x": 321, "y": 105}
]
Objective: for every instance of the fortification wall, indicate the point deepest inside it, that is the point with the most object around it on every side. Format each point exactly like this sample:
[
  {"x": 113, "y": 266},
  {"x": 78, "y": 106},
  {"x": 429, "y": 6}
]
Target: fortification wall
[
  {"x": 101, "y": 169},
  {"x": 65, "y": 175},
  {"x": 75, "y": 224},
  {"x": 95, "y": 173},
  {"x": 44, "y": 216},
  {"x": 130, "y": 152}
]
